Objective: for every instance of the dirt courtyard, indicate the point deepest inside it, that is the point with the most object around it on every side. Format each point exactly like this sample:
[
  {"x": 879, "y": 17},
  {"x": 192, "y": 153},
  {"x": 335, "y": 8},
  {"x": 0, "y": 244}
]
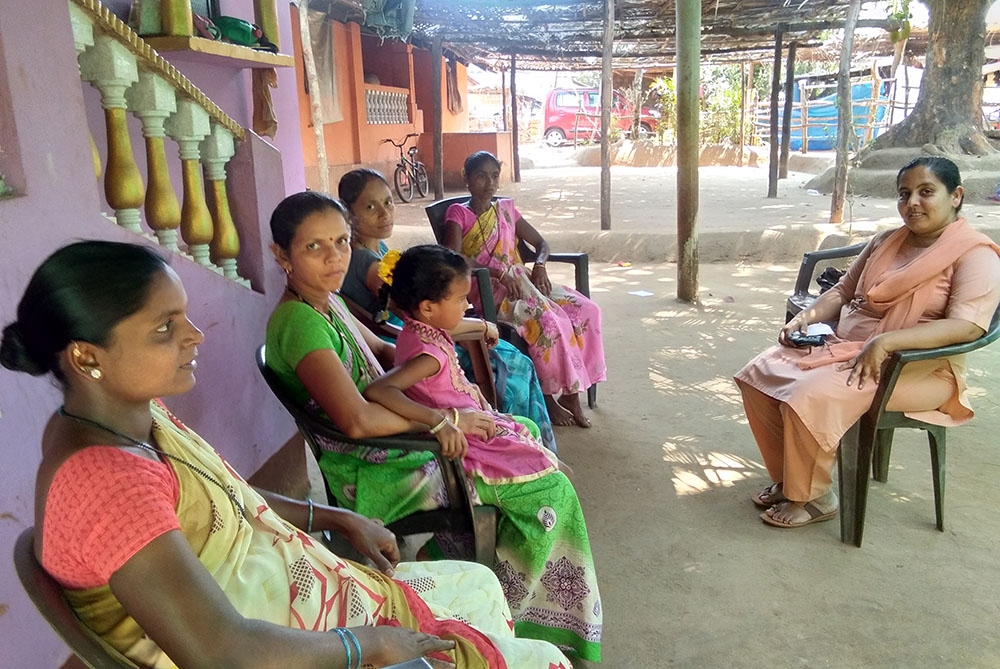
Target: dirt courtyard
[{"x": 689, "y": 575}]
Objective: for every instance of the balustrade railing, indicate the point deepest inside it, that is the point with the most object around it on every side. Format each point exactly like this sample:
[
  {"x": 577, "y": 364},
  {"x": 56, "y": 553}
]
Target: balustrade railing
[
  {"x": 133, "y": 78},
  {"x": 387, "y": 105}
]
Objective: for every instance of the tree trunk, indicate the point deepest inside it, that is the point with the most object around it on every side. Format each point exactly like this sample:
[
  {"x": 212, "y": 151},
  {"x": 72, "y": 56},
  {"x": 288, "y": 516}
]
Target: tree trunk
[{"x": 949, "y": 112}]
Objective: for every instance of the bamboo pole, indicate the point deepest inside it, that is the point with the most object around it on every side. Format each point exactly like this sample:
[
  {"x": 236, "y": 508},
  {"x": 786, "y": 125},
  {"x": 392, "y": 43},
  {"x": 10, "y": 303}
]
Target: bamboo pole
[
  {"x": 688, "y": 79},
  {"x": 636, "y": 103},
  {"x": 772, "y": 172},
  {"x": 743, "y": 110},
  {"x": 438, "y": 123},
  {"x": 606, "y": 86},
  {"x": 844, "y": 117},
  {"x": 503, "y": 97},
  {"x": 515, "y": 139},
  {"x": 786, "y": 120},
  {"x": 315, "y": 100}
]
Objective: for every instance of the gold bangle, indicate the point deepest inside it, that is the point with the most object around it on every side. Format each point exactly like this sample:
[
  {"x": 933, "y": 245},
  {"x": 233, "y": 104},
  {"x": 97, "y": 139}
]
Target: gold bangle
[
  {"x": 455, "y": 420},
  {"x": 437, "y": 428}
]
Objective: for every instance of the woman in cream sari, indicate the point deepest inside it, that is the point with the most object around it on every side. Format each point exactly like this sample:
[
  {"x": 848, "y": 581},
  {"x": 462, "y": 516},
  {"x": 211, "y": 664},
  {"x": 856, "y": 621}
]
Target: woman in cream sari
[{"x": 164, "y": 550}]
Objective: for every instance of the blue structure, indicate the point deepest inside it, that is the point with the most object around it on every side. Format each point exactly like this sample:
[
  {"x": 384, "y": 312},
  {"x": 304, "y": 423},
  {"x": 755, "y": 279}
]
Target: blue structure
[{"x": 822, "y": 118}]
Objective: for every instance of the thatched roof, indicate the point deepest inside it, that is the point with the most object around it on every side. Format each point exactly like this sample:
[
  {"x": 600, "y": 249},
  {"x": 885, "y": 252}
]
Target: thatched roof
[{"x": 563, "y": 35}]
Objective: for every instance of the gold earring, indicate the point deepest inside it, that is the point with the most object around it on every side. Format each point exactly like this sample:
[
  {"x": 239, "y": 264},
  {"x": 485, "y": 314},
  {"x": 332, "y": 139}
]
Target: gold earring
[
  {"x": 96, "y": 374},
  {"x": 76, "y": 352}
]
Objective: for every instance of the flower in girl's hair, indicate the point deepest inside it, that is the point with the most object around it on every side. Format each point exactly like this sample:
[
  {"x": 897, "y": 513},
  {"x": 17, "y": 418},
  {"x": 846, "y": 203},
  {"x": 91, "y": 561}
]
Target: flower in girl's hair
[{"x": 387, "y": 265}]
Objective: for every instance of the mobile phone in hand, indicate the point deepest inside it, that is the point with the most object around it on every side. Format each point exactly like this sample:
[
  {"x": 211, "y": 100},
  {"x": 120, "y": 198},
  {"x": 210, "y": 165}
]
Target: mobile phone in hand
[{"x": 799, "y": 339}]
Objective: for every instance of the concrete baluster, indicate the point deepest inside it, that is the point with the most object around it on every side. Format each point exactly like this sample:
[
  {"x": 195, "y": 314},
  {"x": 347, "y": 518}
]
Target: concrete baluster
[
  {"x": 188, "y": 126},
  {"x": 216, "y": 150},
  {"x": 153, "y": 99},
  {"x": 111, "y": 68},
  {"x": 83, "y": 39}
]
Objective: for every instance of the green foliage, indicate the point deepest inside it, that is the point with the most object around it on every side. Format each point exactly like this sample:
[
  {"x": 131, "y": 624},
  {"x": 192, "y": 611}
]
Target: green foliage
[
  {"x": 720, "y": 106},
  {"x": 666, "y": 103}
]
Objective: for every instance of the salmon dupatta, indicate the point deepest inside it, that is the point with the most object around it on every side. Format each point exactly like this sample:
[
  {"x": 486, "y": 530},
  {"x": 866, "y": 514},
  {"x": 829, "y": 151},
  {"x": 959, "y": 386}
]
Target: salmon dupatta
[{"x": 901, "y": 294}]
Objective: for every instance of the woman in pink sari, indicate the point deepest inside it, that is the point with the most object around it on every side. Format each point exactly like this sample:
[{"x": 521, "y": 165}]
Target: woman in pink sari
[
  {"x": 932, "y": 282},
  {"x": 561, "y": 327}
]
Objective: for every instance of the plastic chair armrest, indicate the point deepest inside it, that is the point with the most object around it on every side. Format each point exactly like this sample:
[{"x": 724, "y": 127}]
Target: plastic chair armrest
[
  {"x": 485, "y": 289},
  {"x": 399, "y": 442},
  {"x": 812, "y": 258},
  {"x": 581, "y": 264}
]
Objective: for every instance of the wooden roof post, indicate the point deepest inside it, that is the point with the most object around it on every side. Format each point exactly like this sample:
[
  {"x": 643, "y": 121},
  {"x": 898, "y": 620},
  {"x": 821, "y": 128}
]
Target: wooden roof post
[
  {"x": 743, "y": 110},
  {"x": 786, "y": 120},
  {"x": 315, "y": 100},
  {"x": 688, "y": 80},
  {"x": 845, "y": 110},
  {"x": 513, "y": 118},
  {"x": 772, "y": 173},
  {"x": 606, "y": 87},
  {"x": 438, "y": 139},
  {"x": 503, "y": 97}
]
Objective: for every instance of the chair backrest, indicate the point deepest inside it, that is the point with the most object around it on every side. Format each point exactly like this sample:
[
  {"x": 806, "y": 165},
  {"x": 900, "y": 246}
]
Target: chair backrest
[
  {"x": 47, "y": 596},
  {"x": 435, "y": 214}
]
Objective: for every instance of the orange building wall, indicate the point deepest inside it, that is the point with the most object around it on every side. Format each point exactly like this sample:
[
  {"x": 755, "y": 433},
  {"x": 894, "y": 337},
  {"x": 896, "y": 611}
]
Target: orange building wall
[
  {"x": 457, "y": 147},
  {"x": 425, "y": 100},
  {"x": 352, "y": 141}
]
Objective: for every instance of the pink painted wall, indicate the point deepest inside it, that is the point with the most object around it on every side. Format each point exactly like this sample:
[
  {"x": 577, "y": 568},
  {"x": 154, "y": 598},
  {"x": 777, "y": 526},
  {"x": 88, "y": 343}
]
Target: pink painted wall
[{"x": 60, "y": 202}]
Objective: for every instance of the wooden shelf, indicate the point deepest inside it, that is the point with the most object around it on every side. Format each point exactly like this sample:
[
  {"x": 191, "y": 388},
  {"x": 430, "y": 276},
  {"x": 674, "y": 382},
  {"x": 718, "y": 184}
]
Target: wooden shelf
[{"x": 219, "y": 53}]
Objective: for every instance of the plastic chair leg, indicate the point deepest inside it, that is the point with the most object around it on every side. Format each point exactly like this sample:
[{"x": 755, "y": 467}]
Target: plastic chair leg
[
  {"x": 880, "y": 460},
  {"x": 936, "y": 439},
  {"x": 853, "y": 460}
]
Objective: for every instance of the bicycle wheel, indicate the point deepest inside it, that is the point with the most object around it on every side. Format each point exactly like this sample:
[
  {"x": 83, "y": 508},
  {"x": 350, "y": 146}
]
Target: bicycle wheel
[
  {"x": 404, "y": 185},
  {"x": 422, "y": 183}
]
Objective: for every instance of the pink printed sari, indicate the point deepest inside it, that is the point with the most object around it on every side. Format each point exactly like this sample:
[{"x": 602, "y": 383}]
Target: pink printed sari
[{"x": 563, "y": 330}]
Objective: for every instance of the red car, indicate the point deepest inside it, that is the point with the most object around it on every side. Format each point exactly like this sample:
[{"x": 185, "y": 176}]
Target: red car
[{"x": 563, "y": 104}]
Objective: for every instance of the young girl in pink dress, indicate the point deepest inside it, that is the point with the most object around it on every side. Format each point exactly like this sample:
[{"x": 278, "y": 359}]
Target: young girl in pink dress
[
  {"x": 543, "y": 557},
  {"x": 561, "y": 327}
]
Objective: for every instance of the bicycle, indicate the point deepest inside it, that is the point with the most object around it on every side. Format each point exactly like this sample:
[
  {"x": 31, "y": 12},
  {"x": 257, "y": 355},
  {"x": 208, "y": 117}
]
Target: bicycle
[{"x": 409, "y": 171}]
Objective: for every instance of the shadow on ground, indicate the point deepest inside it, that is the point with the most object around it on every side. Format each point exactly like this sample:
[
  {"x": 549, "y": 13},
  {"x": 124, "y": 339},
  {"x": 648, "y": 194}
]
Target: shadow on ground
[{"x": 691, "y": 577}]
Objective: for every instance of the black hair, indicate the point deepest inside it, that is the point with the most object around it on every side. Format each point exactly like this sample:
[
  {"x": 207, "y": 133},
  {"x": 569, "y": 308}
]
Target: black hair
[
  {"x": 80, "y": 292},
  {"x": 425, "y": 273},
  {"x": 353, "y": 183},
  {"x": 290, "y": 212},
  {"x": 476, "y": 159},
  {"x": 945, "y": 170}
]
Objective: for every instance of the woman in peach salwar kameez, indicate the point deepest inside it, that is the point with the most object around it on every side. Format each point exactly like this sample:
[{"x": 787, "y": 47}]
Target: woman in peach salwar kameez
[
  {"x": 930, "y": 283},
  {"x": 561, "y": 327}
]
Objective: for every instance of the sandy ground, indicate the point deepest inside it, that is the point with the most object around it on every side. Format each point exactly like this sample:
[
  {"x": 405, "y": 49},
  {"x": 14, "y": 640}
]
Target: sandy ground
[
  {"x": 736, "y": 221},
  {"x": 689, "y": 575}
]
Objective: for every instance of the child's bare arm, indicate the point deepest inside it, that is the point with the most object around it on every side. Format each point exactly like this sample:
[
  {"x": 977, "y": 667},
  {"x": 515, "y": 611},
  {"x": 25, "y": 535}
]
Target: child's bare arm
[{"x": 387, "y": 390}]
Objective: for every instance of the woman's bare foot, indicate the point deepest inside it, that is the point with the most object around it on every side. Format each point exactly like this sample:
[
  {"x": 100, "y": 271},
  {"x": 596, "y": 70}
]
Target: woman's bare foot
[
  {"x": 557, "y": 414},
  {"x": 571, "y": 402}
]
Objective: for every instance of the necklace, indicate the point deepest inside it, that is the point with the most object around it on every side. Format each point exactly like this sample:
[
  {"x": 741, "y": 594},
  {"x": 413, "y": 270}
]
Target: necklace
[
  {"x": 146, "y": 447},
  {"x": 341, "y": 328},
  {"x": 303, "y": 300}
]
